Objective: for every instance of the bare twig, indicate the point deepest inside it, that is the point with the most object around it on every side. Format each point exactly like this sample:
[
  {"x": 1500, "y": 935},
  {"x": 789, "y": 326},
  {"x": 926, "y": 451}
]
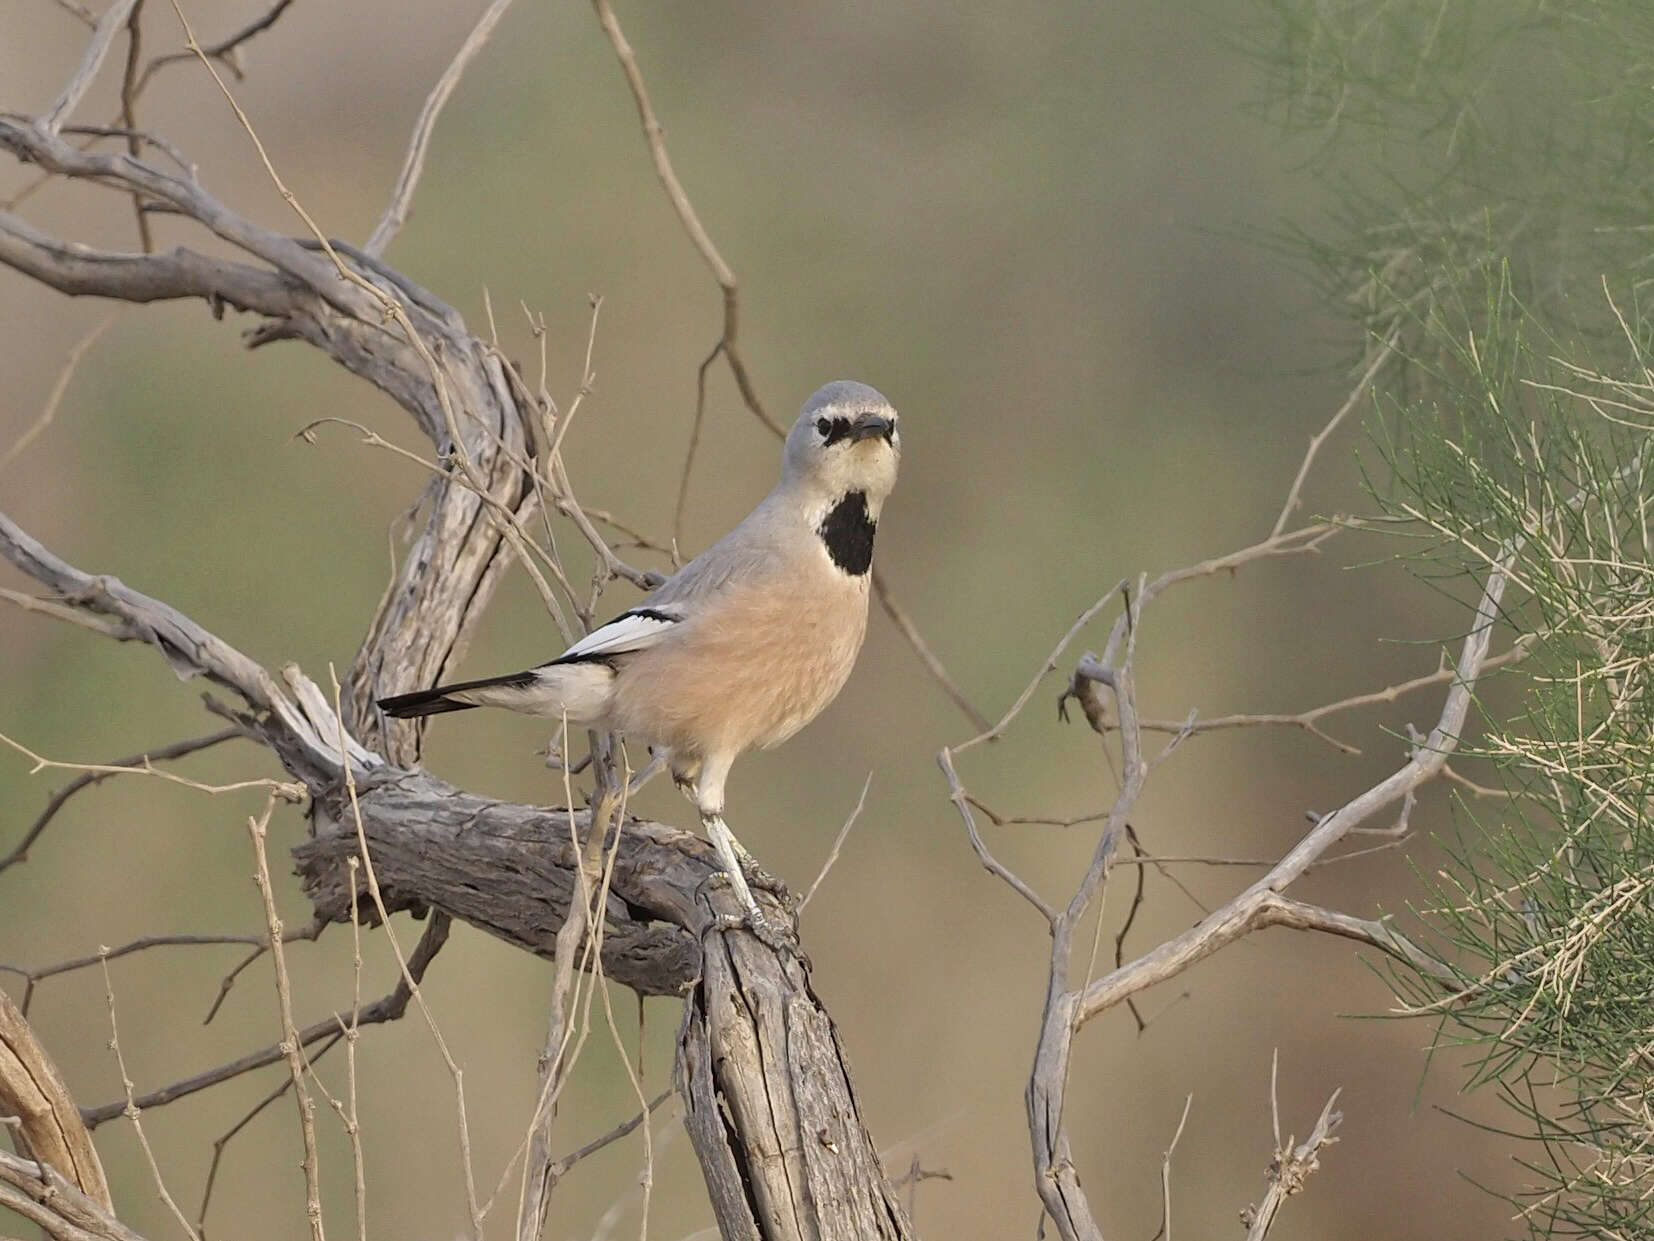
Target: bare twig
[
  {"x": 1291, "y": 1167},
  {"x": 1309, "y": 720},
  {"x": 1165, "y": 1229},
  {"x": 177, "y": 749},
  {"x": 257, "y": 829},
  {"x": 97, "y": 48},
  {"x": 223, "y": 1141},
  {"x": 132, "y": 1111},
  {"x": 838, "y": 842},
  {"x": 55, "y": 397},
  {"x": 1382, "y": 355},
  {"x": 956, "y": 793},
  {"x": 917, "y": 1174},
  {"x": 352, "y": 1033},
  {"x": 144, "y": 943},
  {"x": 413, "y": 163},
  {"x": 78, "y": 10},
  {"x": 227, "y": 50},
  {"x": 390, "y": 1007},
  {"x": 1045, "y": 669},
  {"x": 129, "y": 117},
  {"x": 555, "y": 1060},
  {"x": 1126, "y": 924},
  {"x": 286, "y": 789},
  {"x": 405, "y": 963},
  {"x": 655, "y": 135},
  {"x": 921, "y": 648}
]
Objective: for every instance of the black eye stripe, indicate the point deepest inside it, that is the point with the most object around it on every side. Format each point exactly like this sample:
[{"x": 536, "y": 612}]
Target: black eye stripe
[{"x": 832, "y": 429}]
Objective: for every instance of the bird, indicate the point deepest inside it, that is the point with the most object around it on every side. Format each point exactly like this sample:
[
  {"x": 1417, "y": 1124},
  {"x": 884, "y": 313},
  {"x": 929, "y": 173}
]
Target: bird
[{"x": 744, "y": 645}]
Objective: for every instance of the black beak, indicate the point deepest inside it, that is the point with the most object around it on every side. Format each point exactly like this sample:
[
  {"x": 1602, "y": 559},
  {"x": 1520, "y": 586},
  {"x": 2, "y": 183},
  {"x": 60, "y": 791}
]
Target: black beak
[{"x": 872, "y": 426}]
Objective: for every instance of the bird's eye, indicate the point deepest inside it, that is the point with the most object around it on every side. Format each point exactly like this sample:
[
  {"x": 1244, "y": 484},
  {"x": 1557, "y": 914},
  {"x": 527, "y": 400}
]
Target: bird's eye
[{"x": 832, "y": 430}]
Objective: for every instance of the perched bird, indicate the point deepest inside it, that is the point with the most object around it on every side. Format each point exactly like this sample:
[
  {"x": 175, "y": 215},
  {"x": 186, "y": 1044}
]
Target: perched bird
[{"x": 745, "y": 644}]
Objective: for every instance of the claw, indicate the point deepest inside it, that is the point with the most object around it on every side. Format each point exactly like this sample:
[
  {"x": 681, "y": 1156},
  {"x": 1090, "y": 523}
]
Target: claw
[
  {"x": 777, "y": 938},
  {"x": 758, "y": 877}
]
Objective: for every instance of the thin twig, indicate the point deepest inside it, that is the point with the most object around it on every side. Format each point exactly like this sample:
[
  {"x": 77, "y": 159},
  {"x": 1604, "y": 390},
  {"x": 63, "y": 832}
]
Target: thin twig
[
  {"x": 1165, "y": 1229},
  {"x": 352, "y": 1035},
  {"x": 956, "y": 793},
  {"x": 921, "y": 648},
  {"x": 1309, "y": 720},
  {"x": 285, "y": 789},
  {"x": 161, "y": 754},
  {"x": 142, "y": 944},
  {"x": 655, "y": 135},
  {"x": 223, "y": 1141},
  {"x": 79, "y": 10},
  {"x": 1126, "y": 925},
  {"x": 456, "y": 1073},
  {"x": 257, "y": 829},
  {"x": 1385, "y": 352},
  {"x": 554, "y": 1062},
  {"x": 133, "y": 1112},
  {"x": 561, "y": 1165},
  {"x": 129, "y": 117},
  {"x": 55, "y": 397},
  {"x": 1291, "y": 1166},
  {"x": 413, "y": 162},
  {"x": 226, "y": 50},
  {"x": 389, "y": 1007},
  {"x": 97, "y": 48},
  {"x": 1045, "y": 669},
  {"x": 838, "y": 842}
]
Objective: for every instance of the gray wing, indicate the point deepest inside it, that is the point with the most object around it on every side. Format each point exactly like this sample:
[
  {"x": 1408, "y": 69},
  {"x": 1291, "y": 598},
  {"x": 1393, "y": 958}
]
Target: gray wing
[{"x": 752, "y": 550}]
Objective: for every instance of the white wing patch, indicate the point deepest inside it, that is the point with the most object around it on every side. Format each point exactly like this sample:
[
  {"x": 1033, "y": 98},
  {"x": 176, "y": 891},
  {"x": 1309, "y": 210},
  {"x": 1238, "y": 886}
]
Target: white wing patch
[{"x": 636, "y": 630}]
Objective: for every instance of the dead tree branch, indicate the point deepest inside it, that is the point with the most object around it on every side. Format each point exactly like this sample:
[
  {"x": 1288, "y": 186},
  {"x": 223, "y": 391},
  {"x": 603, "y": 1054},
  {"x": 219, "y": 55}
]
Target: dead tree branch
[
  {"x": 1104, "y": 687},
  {"x": 161, "y": 754},
  {"x": 753, "y": 1088},
  {"x": 1291, "y": 1168},
  {"x": 45, "y": 1197},
  {"x": 49, "y": 1128}
]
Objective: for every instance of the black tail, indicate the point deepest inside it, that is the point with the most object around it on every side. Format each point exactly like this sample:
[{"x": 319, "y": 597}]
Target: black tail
[{"x": 436, "y": 701}]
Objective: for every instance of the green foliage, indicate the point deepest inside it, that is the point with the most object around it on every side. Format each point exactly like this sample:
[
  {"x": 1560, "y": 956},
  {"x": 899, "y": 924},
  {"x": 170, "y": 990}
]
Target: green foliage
[
  {"x": 1494, "y": 168},
  {"x": 1470, "y": 141}
]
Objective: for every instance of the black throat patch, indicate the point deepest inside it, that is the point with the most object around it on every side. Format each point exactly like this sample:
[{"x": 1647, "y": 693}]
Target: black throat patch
[{"x": 847, "y": 531}]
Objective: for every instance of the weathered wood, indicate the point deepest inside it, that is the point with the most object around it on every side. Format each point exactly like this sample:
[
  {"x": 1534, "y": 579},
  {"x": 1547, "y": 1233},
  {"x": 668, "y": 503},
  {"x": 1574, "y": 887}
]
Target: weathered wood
[
  {"x": 770, "y": 1105},
  {"x": 510, "y": 870},
  {"x": 769, "y": 1100},
  {"x": 49, "y": 1128}
]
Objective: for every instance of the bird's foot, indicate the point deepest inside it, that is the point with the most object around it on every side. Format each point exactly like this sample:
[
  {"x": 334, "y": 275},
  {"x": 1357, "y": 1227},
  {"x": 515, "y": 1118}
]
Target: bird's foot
[
  {"x": 777, "y": 937},
  {"x": 758, "y": 877}
]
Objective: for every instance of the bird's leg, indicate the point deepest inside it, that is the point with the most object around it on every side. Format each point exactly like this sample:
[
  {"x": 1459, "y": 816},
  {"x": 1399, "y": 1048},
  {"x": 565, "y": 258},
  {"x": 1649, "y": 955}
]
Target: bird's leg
[
  {"x": 709, "y": 771},
  {"x": 757, "y": 876},
  {"x": 651, "y": 769},
  {"x": 730, "y": 852}
]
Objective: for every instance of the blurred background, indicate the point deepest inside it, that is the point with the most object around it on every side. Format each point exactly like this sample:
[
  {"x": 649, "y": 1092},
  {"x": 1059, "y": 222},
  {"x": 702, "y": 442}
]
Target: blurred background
[{"x": 1041, "y": 230}]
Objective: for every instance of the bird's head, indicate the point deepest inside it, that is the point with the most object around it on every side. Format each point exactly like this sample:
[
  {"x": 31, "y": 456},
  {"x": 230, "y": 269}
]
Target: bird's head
[{"x": 845, "y": 440}]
